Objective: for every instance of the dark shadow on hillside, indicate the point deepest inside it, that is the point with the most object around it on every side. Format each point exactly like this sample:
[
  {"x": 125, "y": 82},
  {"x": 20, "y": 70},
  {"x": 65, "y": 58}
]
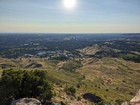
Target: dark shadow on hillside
[{"x": 92, "y": 97}]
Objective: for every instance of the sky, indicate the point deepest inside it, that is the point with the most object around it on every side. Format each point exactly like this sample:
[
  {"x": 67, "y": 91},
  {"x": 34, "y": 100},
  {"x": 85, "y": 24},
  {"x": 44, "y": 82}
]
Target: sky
[{"x": 88, "y": 16}]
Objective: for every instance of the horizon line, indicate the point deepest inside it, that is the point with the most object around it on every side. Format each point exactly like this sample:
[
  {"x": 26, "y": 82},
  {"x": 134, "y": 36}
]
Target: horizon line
[{"x": 69, "y": 33}]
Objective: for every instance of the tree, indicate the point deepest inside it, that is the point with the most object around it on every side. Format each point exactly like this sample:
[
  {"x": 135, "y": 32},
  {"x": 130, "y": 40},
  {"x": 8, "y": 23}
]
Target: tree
[{"x": 16, "y": 84}]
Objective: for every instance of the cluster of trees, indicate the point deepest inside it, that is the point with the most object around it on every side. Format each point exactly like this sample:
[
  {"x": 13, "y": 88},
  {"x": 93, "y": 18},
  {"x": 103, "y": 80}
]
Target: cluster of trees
[
  {"x": 125, "y": 45},
  {"x": 15, "y": 84},
  {"x": 61, "y": 57},
  {"x": 123, "y": 54},
  {"x": 131, "y": 57}
]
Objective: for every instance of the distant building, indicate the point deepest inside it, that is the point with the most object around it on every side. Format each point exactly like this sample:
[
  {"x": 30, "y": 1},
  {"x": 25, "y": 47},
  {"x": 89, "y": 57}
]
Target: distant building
[
  {"x": 41, "y": 53},
  {"x": 28, "y": 55}
]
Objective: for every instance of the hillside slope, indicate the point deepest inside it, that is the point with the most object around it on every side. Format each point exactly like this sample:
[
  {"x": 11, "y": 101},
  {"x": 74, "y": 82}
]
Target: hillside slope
[
  {"x": 108, "y": 78},
  {"x": 92, "y": 50}
]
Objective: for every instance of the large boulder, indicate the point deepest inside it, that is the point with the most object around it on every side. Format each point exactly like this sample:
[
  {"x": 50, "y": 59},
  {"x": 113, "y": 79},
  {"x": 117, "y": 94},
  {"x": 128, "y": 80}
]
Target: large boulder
[{"x": 26, "y": 101}]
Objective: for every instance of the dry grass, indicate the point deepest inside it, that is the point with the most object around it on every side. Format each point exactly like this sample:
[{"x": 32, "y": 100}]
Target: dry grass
[{"x": 109, "y": 78}]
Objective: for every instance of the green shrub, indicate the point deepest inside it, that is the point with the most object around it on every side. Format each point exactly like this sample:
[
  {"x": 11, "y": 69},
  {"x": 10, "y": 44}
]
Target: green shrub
[
  {"x": 16, "y": 84},
  {"x": 62, "y": 103},
  {"x": 119, "y": 102},
  {"x": 71, "y": 90},
  {"x": 103, "y": 103},
  {"x": 79, "y": 98}
]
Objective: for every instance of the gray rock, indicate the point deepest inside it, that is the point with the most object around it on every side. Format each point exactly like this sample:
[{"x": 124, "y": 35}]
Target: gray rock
[{"x": 26, "y": 101}]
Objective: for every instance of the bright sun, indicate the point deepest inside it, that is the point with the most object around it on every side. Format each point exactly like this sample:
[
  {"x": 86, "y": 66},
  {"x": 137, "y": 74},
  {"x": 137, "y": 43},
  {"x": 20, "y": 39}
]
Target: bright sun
[{"x": 70, "y": 4}]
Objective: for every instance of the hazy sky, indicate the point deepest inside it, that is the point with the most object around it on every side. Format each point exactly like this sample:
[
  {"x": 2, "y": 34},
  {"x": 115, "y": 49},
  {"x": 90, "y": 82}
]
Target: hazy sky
[{"x": 88, "y": 16}]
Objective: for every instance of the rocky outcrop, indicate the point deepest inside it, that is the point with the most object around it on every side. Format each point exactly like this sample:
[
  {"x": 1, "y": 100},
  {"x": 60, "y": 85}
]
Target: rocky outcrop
[
  {"x": 26, "y": 101},
  {"x": 33, "y": 101},
  {"x": 136, "y": 99}
]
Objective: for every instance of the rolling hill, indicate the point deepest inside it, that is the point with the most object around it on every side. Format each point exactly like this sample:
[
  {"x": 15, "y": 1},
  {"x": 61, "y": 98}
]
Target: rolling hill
[{"x": 108, "y": 78}]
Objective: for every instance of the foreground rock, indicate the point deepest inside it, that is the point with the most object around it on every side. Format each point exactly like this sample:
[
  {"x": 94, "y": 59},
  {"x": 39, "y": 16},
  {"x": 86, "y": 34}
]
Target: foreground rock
[
  {"x": 26, "y": 101},
  {"x": 136, "y": 99}
]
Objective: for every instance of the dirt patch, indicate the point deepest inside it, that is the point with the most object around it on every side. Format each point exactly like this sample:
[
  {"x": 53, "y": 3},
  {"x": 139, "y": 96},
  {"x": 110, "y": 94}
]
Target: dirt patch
[
  {"x": 69, "y": 65},
  {"x": 34, "y": 65},
  {"x": 3, "y": 66}
]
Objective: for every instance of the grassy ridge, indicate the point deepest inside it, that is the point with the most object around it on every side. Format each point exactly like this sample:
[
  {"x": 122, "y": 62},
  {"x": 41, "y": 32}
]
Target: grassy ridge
[{"x": 108, "y": 78}]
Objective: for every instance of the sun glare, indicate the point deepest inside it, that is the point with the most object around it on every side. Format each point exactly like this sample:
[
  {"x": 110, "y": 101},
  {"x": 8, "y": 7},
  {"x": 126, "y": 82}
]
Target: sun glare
[{"x": 70, "y": 4}]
